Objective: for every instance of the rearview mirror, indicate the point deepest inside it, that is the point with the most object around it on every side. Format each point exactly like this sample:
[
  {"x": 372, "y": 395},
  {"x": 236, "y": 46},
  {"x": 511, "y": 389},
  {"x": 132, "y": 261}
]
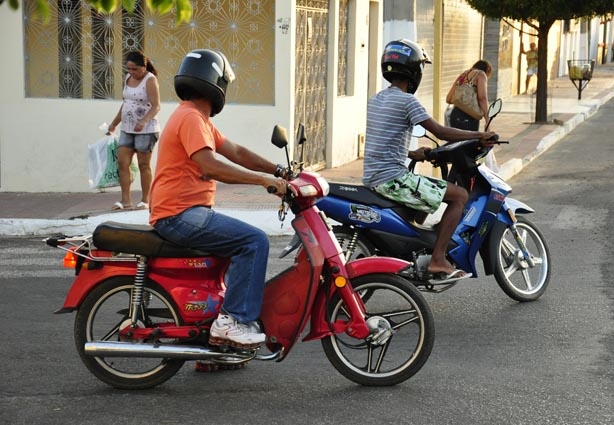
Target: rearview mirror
[
  {"x": 418, "y": 131},
  {"x": 300, "y": 135},
  {"x": 279, "y": 137},
  {"x": 495, "y": 108}
]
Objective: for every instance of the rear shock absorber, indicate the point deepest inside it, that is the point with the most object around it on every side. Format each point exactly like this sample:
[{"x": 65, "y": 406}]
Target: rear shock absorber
[{"x": 137, "y": 290}]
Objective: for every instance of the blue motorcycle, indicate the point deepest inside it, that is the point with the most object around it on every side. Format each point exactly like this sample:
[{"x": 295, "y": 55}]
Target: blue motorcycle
[{"x": 493, "y": 225}]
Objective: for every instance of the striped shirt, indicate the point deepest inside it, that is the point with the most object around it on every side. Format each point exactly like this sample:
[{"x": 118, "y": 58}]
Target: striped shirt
[{"x": 391, "y": 116}]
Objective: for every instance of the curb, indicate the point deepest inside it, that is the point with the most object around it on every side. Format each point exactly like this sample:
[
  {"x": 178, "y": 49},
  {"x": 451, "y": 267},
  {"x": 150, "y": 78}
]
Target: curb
[{"x": 265, "y": 220}]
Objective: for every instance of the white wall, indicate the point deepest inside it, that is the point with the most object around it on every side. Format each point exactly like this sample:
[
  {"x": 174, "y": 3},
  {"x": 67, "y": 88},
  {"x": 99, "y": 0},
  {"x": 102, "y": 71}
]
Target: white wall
[
  {"x": 43, "y": 142},
  {"x": 347, "y": 115}
]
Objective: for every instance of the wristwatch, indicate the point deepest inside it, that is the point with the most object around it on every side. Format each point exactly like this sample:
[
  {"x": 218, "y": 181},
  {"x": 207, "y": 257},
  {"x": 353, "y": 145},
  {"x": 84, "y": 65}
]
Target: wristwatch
[{"x": 279, "y": 170}]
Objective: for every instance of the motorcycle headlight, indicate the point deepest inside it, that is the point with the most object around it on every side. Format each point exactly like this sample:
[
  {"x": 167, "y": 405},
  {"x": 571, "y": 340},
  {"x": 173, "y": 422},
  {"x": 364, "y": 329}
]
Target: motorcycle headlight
[{"x": 308, "y": 190}]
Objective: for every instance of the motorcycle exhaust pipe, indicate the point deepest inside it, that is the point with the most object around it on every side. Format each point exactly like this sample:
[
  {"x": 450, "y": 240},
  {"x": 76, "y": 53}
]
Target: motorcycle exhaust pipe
[{"x": 128, "y": 349}]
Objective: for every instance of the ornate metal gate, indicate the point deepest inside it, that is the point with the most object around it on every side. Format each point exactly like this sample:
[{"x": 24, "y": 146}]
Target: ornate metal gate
[{"x": 311, "y": 73}]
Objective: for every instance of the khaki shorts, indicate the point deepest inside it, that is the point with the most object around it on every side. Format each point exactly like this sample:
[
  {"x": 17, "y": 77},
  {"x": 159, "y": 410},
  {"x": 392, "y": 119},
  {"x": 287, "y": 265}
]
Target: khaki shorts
[{"x": 415, "y": 191}]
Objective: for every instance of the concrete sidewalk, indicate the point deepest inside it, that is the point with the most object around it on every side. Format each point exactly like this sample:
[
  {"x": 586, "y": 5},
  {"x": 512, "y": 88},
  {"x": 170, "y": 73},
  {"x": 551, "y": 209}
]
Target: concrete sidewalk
[{"x": 42, "y": 214}]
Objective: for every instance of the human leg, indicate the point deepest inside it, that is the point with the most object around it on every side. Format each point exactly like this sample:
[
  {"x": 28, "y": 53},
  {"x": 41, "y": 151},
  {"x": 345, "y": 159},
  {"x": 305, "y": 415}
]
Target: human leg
[
  {"x": 426, "y": 194},
  {"x": 125, "y": 152},
  {"x": 124, "y": 159},
  {"x": 248, "y": 249},
  {"x": 144, "y": 161},
  {"x": 455, "y": 197},
  {"x": 144, "y": 144}
]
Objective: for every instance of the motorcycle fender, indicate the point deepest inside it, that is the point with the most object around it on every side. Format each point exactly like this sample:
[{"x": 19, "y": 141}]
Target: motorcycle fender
[
  {"x": 368, "y": 265},
  {"x": 319, "y": 327},
  {"x": 89, "y": 278},
  {"x": 517, "y": 206},
  {"x": 489, "y": 263}
]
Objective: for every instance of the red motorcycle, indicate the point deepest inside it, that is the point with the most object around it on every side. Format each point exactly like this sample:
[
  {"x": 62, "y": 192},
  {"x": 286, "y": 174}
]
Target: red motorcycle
[{"x": 144, "y": 306}]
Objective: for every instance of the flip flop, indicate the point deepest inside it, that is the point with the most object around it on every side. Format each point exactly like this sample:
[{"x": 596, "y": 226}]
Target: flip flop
[
  {"x": 142, "y": 206},
  {"x": 119, "y": 206},
  {"x": 447, "y": 278}
]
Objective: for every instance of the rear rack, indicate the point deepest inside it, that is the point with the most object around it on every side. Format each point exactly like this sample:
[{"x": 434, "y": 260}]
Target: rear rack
[{"x": 83, "y": 246}]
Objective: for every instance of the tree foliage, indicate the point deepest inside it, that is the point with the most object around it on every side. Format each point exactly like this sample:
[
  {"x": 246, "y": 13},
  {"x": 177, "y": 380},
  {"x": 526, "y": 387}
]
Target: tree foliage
[
  {"x": 541, "y": 15},
  {"x": 183, "y": 8},
  {"x": 542, "y": 10}
]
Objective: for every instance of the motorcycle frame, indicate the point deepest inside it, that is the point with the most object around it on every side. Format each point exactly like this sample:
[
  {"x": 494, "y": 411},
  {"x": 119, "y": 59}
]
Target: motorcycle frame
[
  {"x": 291, "y": 298},
  {"x": 483, "y": 211}
]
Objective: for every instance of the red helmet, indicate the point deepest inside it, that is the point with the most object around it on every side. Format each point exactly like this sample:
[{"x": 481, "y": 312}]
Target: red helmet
[
  {"x": 204, "y": 74},
  {"x": 404, "y": 59}
]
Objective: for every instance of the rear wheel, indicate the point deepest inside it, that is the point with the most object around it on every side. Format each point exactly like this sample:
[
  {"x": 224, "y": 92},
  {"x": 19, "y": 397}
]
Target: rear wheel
[
  {"x": 101, "y": 316},
  {"x": 402, "y": 337},
  {"x": 353, "y": 249},
  {"x": 514, "y": 274}
]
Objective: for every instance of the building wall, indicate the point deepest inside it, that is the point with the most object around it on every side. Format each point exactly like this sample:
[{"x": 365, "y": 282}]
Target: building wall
[
  {"x": 462, "y": 40},
  {"x": 43, "y": 142}
]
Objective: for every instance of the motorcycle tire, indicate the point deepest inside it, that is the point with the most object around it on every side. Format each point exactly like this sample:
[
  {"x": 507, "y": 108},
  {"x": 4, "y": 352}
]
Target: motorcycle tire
[
  {"x": 362, "y": 248},
  {"x": 400, "y": 313},
  {"x": 513, "y": 274},
  {"x": 104, "y": 310}
]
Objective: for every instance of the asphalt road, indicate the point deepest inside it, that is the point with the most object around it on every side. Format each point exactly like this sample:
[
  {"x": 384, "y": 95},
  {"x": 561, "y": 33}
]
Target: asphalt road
[{"x": 495, "y": 361}]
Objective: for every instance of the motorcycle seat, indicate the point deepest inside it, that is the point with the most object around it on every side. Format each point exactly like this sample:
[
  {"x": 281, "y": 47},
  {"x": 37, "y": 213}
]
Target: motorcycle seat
[
  {"x": 139, "y": 239},
  {"x": 360, "y": 194}
]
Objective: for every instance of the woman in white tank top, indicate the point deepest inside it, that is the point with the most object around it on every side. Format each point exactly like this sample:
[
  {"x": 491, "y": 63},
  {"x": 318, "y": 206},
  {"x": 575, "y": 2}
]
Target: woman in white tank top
[{"x": 140, "y": 128}]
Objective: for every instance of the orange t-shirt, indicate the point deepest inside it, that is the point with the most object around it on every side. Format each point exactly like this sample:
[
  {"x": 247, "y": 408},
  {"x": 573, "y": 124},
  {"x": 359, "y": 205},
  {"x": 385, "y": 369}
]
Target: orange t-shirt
[{"x": 177, "y": 183}]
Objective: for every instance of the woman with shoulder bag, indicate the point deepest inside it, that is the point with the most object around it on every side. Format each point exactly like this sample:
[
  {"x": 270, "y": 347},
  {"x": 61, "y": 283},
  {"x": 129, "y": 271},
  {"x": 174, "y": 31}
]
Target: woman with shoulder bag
[
  {"x": 477, "y": 78},
  {"x": 466, "y": 109}
]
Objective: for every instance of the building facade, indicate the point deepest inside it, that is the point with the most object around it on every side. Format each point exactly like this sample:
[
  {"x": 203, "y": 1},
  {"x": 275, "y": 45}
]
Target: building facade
[
  {"x": 314, "y": 62},
  {"x": 296, "y": 61}
]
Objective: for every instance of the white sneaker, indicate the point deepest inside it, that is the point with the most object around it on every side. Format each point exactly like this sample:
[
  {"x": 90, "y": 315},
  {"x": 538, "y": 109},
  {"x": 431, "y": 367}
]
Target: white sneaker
[{"x": 227, "y": 331}]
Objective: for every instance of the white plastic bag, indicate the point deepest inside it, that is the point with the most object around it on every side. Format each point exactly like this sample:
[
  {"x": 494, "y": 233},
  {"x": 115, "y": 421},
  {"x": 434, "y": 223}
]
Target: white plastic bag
[{"x": 102, "y": 163}]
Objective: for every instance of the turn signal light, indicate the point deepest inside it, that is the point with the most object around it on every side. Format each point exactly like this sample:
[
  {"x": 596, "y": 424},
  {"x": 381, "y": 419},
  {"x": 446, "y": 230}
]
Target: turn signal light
[{"x": 340, "y": 281}]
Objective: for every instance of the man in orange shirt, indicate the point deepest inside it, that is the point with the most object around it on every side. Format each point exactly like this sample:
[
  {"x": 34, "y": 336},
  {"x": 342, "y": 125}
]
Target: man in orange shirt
[{"x": 183, "y": 191}]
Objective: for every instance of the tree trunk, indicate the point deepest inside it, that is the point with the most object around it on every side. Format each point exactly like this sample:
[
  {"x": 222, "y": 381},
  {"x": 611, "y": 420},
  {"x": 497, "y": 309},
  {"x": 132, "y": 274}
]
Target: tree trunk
[{"x": 541, "y": 95}]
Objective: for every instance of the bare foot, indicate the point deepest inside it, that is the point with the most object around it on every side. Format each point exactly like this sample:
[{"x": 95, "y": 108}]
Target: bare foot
[{"x": 440, "y": 267}]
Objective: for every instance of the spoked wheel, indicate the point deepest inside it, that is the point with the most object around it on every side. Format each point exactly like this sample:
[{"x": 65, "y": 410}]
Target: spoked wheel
[
  {"x": 361, "y": 247},
  {"x": 104, "y": 312},
  {"x": 513, "y": 272},
  {"x": 402, "y": 336}
]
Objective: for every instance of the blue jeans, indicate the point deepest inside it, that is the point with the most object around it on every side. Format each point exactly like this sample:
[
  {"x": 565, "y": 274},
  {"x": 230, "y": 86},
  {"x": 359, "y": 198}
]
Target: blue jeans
[{"x": 247, "y": 246}]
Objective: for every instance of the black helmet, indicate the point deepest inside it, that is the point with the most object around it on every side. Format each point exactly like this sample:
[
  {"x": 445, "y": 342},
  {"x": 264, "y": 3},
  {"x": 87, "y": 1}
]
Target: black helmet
[
  {"x": 404, "y": 59},
  {"x": 204, "y": 74}
]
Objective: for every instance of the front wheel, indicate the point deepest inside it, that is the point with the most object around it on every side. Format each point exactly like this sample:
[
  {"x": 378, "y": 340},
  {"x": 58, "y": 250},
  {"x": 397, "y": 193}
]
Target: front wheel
[
  {"x": 101, "y": 316},
  {"x": 513, "y": 272},
  {"x": 402, "y": 337}
]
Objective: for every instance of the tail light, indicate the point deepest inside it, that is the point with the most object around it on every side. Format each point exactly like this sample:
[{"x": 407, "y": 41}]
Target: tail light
[{"x": 70, "y": 259}]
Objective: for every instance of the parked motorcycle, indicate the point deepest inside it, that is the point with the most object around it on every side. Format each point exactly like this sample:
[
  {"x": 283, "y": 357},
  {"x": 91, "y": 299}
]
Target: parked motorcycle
[
  {"x": 144, "y": 306},
  {"x": 493, "y": 225}
]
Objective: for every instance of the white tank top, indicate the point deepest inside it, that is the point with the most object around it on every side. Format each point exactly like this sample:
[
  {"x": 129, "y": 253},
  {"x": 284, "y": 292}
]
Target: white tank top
[{"x": 135, "y": 107}]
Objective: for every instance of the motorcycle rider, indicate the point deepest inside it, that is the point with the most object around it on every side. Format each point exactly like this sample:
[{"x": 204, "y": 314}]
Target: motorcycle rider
[
  {"x": 391, "y": 115},
  {"x": 183, "y": 191}
]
